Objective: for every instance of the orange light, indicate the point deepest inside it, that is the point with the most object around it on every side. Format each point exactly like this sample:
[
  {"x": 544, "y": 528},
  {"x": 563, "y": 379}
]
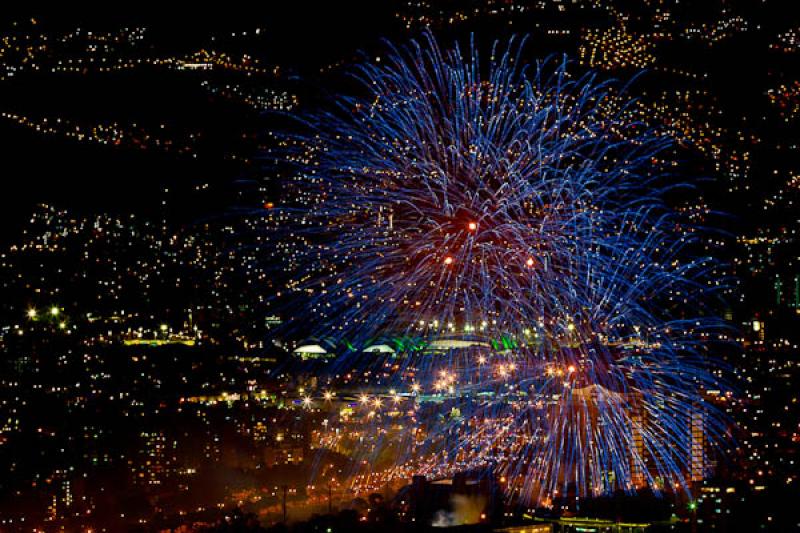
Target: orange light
[
  {"x": 448, "y": 260},
  {"x": 269, "y": 205},
  {"x": 473, "y": 226},
  {"x": 571, "y": 368},
  {"x": 529, "y": 262}
]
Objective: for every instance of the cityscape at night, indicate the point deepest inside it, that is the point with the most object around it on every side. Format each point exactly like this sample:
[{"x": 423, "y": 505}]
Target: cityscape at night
[{"x": 524, "y": 266}]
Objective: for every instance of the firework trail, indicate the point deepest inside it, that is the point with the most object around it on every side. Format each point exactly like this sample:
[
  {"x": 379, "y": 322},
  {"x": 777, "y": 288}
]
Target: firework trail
[{"x": 505, "y": 224}]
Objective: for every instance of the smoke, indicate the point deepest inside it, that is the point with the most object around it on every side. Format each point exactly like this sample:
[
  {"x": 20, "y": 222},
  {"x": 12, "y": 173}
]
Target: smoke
[{"x": 466, "y": 510}]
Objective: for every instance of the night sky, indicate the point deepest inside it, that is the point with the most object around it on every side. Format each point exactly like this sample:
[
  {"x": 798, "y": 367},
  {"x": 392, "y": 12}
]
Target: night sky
[
  {"x": 148, "y": 378},
  {"x": 301, "y": 38}
]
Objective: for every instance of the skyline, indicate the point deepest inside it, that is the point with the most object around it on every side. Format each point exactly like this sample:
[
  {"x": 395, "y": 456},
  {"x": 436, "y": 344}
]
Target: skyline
[{"x": 313, "y": 268}]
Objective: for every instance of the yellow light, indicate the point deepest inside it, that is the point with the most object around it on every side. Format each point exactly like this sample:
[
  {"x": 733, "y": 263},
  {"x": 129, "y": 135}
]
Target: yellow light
[
  {"x": 328, "y": 395},
  {"x": 163, "y": 327},
  {"x": 55, "y": 311},
  {"x": 529, "y": 262},
  {"x": 448, "y": 260},
  {"x": 31, "y": 313},
  {"x": 473, "y": 226}
]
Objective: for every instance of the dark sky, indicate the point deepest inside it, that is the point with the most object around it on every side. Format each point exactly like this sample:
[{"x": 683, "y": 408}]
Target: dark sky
[{"x": 299, "y": 36}]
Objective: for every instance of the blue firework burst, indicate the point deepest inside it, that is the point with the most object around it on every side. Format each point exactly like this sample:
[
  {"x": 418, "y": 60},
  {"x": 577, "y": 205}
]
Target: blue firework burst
[{"x": 508, "y": 221}]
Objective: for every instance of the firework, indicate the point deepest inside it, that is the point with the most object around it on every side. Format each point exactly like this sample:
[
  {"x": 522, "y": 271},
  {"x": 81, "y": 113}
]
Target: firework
[{"x": 504, "y": 226}]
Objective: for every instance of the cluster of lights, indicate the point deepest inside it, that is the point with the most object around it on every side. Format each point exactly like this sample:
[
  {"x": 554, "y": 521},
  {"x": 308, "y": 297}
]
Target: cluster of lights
[
  {"x": 615, "y": 48},
  {"x": 788, "y": 41},
  {"x": 786, "y": 98},
  {"x": 259, "y": 98},
  {"x": 110, "y": 134}
]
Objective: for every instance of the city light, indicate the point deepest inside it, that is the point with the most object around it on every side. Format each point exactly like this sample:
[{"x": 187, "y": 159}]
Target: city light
[
  {"x": 594, "y": 253},
  {"x": 524, "y": 266}
]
